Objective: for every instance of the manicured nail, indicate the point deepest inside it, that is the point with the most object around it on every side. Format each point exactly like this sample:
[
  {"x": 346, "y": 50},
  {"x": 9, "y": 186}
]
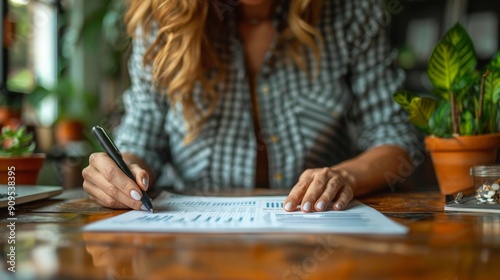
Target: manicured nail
[
  {"x": 145, "y": 182},
  {"x": 135, "y": 195},
  {"x": 307, "y": 206},
  {"x": 338, "y": 205},
  {"x": 144, "y": 208},
  {"x": 288, "y": 206},
  {"x": 320, "y": 205}
]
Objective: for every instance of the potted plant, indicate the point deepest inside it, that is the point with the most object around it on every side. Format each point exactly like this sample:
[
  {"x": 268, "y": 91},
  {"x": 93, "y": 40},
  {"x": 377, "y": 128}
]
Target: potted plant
[
  {"x": 74, "y": 109},
  {"x": 17, "y": 159},
  {"x": 460, "y": 117},
  {"x": 10, "y": 108}
]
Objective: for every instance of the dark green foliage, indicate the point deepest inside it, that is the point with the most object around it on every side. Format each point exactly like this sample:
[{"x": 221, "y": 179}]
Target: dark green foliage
[{"x": 464, "y": 101}]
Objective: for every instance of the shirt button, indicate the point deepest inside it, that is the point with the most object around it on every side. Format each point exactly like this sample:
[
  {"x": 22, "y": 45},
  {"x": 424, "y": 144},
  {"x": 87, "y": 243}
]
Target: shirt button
[
  {"x": 265, "y": 89},
  {"x": 278, "y": 176},
  {"x": 274, "y": 139}
]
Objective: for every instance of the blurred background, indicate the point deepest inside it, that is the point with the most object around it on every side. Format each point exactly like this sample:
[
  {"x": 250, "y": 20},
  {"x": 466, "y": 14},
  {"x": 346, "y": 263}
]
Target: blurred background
[
  {"x": 63, "y": 71},
  {"x": 63, "y": 67}
]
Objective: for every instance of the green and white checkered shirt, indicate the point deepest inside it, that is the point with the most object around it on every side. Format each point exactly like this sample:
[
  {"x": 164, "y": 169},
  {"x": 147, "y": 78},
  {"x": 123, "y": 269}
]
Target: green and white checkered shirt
[{"x": 305, "y": 123}]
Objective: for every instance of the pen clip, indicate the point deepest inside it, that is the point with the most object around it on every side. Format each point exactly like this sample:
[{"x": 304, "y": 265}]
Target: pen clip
[{"x": 100, "y": 133}]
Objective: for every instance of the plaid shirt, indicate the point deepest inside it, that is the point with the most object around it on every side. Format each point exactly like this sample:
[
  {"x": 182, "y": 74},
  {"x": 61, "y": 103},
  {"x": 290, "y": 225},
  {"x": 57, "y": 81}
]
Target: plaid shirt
[{"x": 305, "y": 123}]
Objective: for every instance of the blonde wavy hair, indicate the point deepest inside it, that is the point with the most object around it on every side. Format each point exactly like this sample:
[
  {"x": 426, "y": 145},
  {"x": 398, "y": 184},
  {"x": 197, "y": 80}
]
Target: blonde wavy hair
[{"x": 183, "y": 54}]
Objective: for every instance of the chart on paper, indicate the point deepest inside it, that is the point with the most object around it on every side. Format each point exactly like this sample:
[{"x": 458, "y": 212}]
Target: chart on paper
[{"x": 179, "y": 213}]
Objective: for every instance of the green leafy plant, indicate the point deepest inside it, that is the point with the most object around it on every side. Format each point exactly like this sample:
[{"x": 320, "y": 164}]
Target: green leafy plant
[
  {"x": 104, "y": 27},
  {"x": 16, "y": 142},
  {"x": 464, "y": 101},
  {"x": 71, "y": 104}
]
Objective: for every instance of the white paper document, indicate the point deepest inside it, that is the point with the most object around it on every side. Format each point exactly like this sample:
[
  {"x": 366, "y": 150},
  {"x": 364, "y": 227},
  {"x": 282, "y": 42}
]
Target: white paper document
[{"x": 180, "y": 213}]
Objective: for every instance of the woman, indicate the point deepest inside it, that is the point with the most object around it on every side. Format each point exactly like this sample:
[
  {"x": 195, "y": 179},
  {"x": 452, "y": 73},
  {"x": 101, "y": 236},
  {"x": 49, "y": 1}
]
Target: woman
[{"x": 257, "y": 93}]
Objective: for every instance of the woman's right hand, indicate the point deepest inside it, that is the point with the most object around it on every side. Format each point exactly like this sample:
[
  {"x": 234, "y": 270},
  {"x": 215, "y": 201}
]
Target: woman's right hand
[{"x": 108, "y": 186}]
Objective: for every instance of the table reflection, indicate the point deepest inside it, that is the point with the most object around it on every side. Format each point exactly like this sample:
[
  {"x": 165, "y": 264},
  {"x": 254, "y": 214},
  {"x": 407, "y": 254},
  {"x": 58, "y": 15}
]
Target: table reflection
[
  {"x": 117, "y": 256},
  {"x": 36, "y": 252},
  {"x": 490, "y": 227},
  {"x": 51, "y": 244}
]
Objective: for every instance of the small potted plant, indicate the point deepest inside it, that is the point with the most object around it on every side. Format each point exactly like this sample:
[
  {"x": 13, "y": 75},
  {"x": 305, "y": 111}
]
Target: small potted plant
[
  {"x": 16, "y": 156},
  {"x": 10, "y": 108},
  {"x": 74, "y": 109},
  {"x": 460, "y": 117}
]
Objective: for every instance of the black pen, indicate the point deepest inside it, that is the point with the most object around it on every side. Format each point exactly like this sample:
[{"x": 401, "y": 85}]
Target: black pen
[{"x": 115, "y": 154}]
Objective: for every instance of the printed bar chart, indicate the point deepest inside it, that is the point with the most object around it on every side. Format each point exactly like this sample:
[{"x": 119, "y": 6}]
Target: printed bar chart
[{"x": 178, "y": 213}]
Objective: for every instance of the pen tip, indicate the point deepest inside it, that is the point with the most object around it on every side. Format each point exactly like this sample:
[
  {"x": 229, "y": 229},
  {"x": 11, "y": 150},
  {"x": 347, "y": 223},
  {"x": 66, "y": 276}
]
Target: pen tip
[{"x": 151, "y": 210}]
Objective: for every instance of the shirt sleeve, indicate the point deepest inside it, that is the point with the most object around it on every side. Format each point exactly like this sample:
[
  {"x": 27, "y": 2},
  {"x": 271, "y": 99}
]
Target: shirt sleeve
[
  {"x": 142, "y": 128},
  {"x": 374, "y": 78}
]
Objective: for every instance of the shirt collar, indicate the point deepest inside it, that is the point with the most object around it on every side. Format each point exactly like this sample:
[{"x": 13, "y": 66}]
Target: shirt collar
[{"x": 279, "y": 19}]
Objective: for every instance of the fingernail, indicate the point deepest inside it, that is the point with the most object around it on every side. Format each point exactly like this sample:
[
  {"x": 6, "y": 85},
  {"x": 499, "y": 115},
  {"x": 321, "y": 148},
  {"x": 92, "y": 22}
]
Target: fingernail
[
  {"x": 144, "y": 208},
  {"x": 338, "y": 205},
  {"x": 288, "y": 206},
  {"x": 135, "y": 195},
  {"x": 145, "y": 182},
  {"x": 307, "y": 206},
  {"x": 320, "y": 205}
]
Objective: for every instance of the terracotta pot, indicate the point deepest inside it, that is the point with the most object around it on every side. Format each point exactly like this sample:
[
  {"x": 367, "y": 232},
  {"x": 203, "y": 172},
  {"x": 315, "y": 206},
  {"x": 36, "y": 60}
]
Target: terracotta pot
[
  {"x": 25, "y": 169},
  {"x": 453, "y": 157},
  {"x": 9, "y": 116},
  {"x": 68, "y": 131}
]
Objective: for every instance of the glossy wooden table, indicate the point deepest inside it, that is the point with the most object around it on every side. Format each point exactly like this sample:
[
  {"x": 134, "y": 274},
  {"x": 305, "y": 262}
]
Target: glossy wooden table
[{"x": 51, "y": 245}]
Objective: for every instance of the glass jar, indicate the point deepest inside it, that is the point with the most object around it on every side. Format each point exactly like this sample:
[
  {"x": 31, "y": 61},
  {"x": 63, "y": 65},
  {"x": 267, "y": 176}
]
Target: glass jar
[{"x": 487, "y": 183}]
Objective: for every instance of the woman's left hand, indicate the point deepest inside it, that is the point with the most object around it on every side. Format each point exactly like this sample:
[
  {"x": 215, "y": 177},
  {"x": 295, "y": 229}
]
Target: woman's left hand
[{"x": 318, "y": 187}]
